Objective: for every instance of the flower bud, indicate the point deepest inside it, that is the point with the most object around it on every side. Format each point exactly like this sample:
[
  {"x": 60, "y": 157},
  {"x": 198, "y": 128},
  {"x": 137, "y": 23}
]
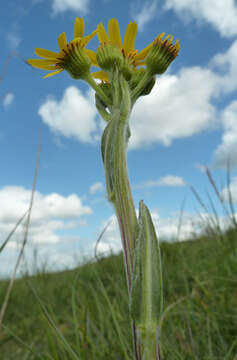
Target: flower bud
[
  {"x": 162, "y": 53},
  {"x": 76, "y": 62},
  {"x": 108, "y": 56}
]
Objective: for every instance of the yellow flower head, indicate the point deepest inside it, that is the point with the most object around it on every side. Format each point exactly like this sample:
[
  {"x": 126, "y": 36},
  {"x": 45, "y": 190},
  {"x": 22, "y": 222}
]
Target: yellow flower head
[
  {"x": 131, "y": 57},
  {"x": 161, "y": 54},
  {"x": 72, "y": 57}
]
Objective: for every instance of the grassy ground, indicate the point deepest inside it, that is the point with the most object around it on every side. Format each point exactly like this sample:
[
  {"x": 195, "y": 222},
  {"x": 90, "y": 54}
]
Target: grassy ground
[{"x": 88, "y": 308}]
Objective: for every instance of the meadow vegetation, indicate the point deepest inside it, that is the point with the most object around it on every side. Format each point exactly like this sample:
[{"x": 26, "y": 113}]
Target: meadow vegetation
[{"x": 83, "y": 313}]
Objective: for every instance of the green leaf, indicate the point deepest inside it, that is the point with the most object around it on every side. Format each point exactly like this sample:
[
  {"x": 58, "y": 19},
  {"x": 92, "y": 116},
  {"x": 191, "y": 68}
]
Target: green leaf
[{"x": 146, "y": 298}]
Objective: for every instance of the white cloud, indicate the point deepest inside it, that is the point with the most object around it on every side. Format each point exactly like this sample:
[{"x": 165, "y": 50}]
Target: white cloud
[
  {"x": 13, "y": 39},
  {"x": 72, "y": 116},
  {"x": 169, "y": 180},
  {"x": 167, "y": 229},
  {"x": 221, "y": 14},
  {"x": 97, "y": 187},
  {"x": 8, "y": 99},
  {"x": 50, "y": 213},
  {"x": 79, "y": 6},
  {"x": 146, "y": 14},
  {"x": 202, "y": 168},
  {"x": 47, "y": 257},
  {"x": 232, "y": 190},
  {"x": 226, "y": 65},
  {"x": 110, "y": 241},
  {"x": 178, "y": 106},
  {"x": 227, "y": 150}
]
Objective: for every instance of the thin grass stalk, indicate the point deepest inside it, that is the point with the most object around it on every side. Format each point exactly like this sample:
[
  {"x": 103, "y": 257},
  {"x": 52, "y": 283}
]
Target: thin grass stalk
[
  {"x": 61, "y": 338},
  {"x": 22, "y": 343},
  {"x": 13, "y": 231},
  {"x": 11, "y": 283},
  {"x": 218, "y": 194},
  {"x": 180, "y": 219},
  {"x": 99, "y": 238},
  {"x": 231, "y": 205}
]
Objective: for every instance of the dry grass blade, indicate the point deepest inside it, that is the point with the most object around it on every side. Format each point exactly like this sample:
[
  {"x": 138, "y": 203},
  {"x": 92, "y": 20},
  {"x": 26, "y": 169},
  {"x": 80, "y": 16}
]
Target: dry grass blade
[
  {"x": 230, "y": 200},
  {"x": 4, "y": 70},
  {"x": 180, "y": 219},
  {"x": 99, "y": 238},
  {"x": 59, "y": 335},
  {"x": 12, "y": 232},
  {"x": 6, "y": 299},
  {"x": 209, "y": 221},
  {"x": 209, "y": 175}
]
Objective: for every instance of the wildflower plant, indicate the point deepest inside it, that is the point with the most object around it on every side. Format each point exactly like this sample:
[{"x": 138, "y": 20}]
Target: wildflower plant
[{"x": 124, "y": 74}]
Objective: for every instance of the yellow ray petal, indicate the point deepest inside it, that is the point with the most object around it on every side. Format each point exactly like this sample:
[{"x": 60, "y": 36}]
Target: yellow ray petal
[
  {"x": 46, "y": 53},
  {"x": 143, "y": 53},
  {"x": 102, "y": 35},
  {"x": 62, "y": 41},
  {"x": 87, "y": 38},
  {"x": 166, "y": 38},
  {"x": 114, "y": 32},
  {"x": 100, "y": 75},
  {"x": 79, "y": 27},
  {"x": 159, "y": 37},
  {"x": 42, "y": 61},
  {"x": 43, "y": 64},
  {"x": 92, "y": 56},
  {"x": 130, "y": 37},
  {"x": 53, "y": 73}
]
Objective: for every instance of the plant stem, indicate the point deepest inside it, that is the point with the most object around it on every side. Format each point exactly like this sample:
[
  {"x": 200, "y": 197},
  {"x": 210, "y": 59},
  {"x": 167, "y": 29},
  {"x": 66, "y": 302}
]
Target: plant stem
[
  {"x": 114, "y": 144},
  {"x": 89, "y": 79}
]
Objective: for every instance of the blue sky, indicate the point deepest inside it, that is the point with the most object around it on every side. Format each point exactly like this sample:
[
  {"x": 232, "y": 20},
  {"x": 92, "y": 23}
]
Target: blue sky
[{"x": 188, "y": 121}]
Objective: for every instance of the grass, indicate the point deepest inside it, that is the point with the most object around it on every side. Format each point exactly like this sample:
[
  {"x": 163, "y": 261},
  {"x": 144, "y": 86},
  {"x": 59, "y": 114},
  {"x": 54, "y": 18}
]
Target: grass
[{"x": 83, "y": 314}]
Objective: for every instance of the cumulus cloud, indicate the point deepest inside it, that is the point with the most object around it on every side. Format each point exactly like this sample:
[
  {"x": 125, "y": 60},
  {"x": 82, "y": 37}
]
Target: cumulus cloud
[
  {"x": 8, "y": 99},
  {"x": 97, "y": 187},
  {"x": 226, "y": 64},
  {"x": 50, "y": 213},
  {"x": 72, "y": 116},
  {"x": 169, "y": 180},
  {"x": 232, "y": 190},
  {"x": 145, "y": 14},
  {"x": 227, "y": 150},
  {"x": 178, "y": 106},
  {"x": 79, "y": 6},
  {"x": 167, "y": 229},
  {"x": 222, "y": 15},
  {"x": 47, "y": 257}
]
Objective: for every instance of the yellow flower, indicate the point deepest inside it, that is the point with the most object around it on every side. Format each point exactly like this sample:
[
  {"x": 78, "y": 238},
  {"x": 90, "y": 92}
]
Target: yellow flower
[
  {"x": 72, "y": 57},
  {"x": 161, "y": 54},
  {"x": 132, "y": 57}
]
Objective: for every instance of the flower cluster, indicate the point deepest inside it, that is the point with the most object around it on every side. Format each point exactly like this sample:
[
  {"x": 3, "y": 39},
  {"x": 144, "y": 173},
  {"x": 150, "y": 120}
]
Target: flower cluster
[
  {"x": 112, "y": 53},
  {"x": 125, "y": 74}
]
